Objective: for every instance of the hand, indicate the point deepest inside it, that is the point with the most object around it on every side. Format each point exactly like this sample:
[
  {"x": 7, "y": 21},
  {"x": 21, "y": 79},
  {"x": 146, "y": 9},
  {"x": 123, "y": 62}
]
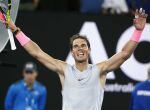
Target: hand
[
  {"x": 10, "y": 24},
  {"x": 140, "y": 19}
]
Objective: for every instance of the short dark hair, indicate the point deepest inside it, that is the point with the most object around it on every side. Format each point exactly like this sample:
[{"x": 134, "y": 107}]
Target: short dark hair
[{"x": 78, "y": 36}]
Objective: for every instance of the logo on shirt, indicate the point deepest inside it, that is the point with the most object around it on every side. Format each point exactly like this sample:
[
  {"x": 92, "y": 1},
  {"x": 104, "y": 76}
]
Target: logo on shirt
[
  {"x": 81, "y": 79},
  {"x": 143, "y": 93}
]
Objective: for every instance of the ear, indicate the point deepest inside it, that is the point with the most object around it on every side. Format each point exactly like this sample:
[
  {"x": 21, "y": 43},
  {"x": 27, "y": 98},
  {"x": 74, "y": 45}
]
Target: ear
[
  {"x": 72, "y": 53},
  {"x": 36, "y": 74},
  {"x": 89, "y": 50}
]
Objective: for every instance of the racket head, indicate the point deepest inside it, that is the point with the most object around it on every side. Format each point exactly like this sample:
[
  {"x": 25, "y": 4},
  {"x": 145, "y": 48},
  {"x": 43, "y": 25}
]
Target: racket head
[
  {"x": 3, "y": 6},
  {"x": 4, "y": 36}
]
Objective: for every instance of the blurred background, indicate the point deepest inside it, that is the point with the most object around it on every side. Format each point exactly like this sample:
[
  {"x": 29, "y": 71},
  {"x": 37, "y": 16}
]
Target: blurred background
[{"x": 50, "y": 23}]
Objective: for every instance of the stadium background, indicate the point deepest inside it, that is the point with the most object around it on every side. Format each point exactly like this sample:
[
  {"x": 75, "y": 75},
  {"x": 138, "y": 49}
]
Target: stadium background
[{"x": 51, "y": 31}]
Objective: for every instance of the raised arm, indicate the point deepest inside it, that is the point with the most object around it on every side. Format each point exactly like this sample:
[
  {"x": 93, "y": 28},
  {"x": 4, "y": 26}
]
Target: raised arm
[
  {"x": 118, "y": 59},
  {"x": 34, "y": 50},
  {"x": 53, "y": 64}
]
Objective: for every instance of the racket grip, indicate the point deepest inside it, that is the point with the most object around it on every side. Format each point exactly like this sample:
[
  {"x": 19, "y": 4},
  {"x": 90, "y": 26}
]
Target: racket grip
[{"x": 12, "y": 42}]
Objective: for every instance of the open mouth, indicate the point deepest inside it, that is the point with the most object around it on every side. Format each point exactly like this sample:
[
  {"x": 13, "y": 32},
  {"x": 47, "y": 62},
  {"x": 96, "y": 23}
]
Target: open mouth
[{"x": 80, "y": 54}]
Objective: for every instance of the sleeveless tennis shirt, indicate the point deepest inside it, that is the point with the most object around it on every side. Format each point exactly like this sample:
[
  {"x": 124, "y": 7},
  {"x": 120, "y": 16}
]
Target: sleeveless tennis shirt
[{"x": 82, "y": 90}]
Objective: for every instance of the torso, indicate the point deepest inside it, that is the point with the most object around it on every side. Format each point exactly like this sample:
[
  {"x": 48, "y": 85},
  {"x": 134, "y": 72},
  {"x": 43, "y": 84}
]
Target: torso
[
  {"x": 82, "y": 88},
  {"x": 23, "y": 95}
]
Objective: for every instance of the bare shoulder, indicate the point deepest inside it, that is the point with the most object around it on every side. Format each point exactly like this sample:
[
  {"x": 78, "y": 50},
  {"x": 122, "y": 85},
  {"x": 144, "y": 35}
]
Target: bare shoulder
[
  {"x": 102, "y": 66},
  {"x": 61, "y": 72},
  {"x": 103, "y": 73},
  {"x": 62, "y": 65}
]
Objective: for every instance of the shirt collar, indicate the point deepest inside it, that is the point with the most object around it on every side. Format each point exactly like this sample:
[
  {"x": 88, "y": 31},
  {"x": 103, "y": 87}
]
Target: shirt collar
[
  {"x": 88, "y": 66},
  {"x": 25, "y": 84}
]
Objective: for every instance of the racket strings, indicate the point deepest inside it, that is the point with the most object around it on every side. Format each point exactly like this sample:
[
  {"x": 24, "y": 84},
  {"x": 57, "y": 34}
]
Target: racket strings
[
  {"x": 5, "y": 8},
  {"x": 8, "y": 13}
]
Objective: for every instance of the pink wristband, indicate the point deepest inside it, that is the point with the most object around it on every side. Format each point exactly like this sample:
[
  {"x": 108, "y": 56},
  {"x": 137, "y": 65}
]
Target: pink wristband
[
  {"x": 22, "y": 38},
  {"x": 136, "y": 35}
]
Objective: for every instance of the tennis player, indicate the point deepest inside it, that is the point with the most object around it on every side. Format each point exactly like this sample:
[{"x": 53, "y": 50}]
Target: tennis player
[{"x": 83, "y": 83}]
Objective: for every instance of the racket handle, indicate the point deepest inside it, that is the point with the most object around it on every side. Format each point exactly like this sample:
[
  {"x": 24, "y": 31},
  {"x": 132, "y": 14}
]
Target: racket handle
[{"x": 12, "y": 42}]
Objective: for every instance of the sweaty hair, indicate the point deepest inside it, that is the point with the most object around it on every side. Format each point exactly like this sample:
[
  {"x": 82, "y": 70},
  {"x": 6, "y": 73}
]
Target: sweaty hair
[{"x": 78, "y": 36}]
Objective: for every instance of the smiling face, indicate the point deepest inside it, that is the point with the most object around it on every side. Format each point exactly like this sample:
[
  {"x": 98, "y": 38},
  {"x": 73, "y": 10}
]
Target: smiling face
[{"x": 80, "y": 50}]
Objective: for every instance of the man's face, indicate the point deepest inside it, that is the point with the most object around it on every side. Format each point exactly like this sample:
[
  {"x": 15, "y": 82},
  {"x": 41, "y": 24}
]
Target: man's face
[
  {"x": 30, "y": 77},
  {"x": 80, "y": 50}
]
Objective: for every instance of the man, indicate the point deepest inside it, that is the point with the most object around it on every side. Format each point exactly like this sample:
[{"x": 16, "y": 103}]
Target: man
[
  {"x": 26, "y": 94},
  {"x": 83, "y": 84},
  {"x": 140, "y": 98}
]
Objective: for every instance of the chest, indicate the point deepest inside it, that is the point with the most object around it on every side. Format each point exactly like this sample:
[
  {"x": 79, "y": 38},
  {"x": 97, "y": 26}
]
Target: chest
[
  {"x": 86, "y": 80},
  {"x": 26, "y": 94}
]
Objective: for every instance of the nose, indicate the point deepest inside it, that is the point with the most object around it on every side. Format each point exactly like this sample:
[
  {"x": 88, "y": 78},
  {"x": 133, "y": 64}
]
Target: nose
[{"x": 80, "y": 48}]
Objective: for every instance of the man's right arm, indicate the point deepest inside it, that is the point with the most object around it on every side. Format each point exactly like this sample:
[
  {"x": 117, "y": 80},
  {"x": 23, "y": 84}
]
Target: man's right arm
[
  {"x": 34, "y": 50},
  {"x": 53, "y": 64}
]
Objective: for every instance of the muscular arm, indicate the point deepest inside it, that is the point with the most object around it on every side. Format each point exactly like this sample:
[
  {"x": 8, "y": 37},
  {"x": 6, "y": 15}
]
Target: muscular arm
[
  {"x": 34, "y": 50},
  {"x": 53, "y": 64},
  {"x": 118, "y": 59}
]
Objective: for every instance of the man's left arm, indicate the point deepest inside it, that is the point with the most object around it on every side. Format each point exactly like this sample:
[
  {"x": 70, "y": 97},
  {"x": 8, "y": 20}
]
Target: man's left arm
[
  {"x": 10, "y": 98},
  {"x": 118, "y": 59},
  {"x": 42, "y": 99}
]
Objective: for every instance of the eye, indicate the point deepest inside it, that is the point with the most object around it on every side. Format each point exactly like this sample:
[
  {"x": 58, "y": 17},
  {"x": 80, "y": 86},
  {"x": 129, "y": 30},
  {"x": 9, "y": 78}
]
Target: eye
[
  {"x": 83, "y": 45},
  {"x": 75, "y": 46}
]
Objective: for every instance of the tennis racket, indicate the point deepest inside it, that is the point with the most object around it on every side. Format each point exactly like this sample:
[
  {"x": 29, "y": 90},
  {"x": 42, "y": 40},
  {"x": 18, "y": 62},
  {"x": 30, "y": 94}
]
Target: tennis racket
[{"x": 5, "y": 8}]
